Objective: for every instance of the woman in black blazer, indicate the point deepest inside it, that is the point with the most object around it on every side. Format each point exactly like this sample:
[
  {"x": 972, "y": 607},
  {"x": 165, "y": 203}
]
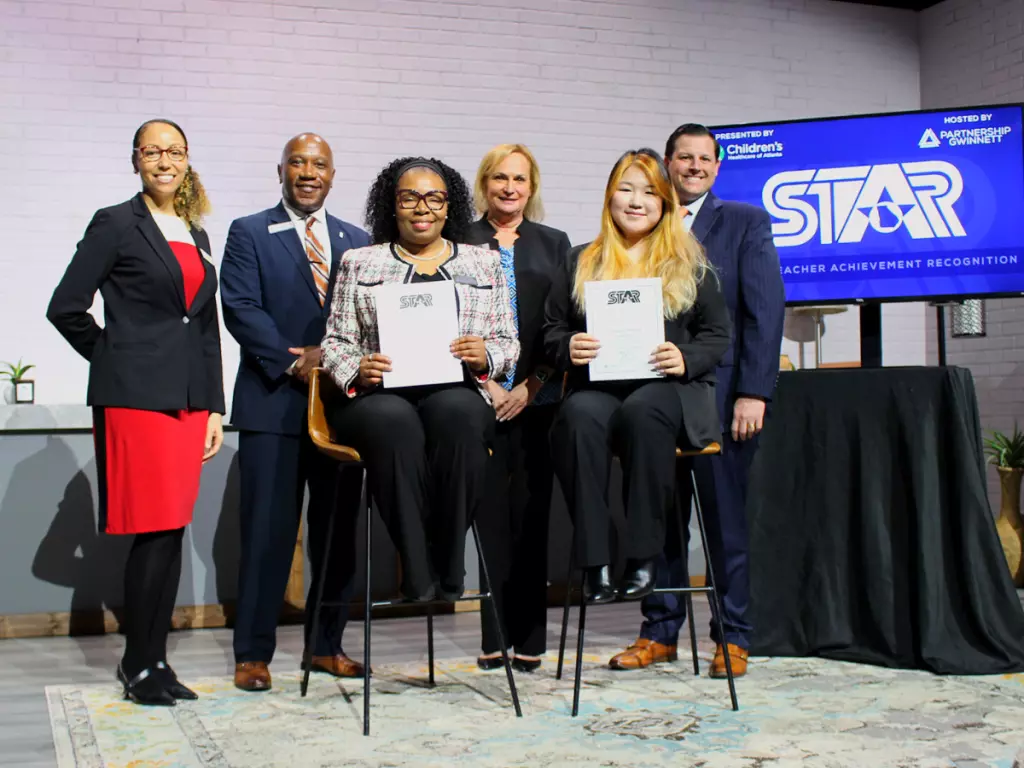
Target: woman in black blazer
[
  {"x": 155, "y": 384},
  {"x": 641, "y": 421},
  {"x": 515, "y": 531}
]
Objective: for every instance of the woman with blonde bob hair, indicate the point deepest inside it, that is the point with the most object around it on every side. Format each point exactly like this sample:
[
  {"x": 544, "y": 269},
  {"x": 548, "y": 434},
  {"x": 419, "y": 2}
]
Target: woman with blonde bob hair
[
  {"x": 641, "y": 421},
  {"x": 515, "y": 531}
]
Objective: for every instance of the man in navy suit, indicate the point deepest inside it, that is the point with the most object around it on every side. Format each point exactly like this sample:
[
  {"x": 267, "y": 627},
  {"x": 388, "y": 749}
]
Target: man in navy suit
[
  {"x": 738, "y": 241},
  {"x": 276, "y": 283}
]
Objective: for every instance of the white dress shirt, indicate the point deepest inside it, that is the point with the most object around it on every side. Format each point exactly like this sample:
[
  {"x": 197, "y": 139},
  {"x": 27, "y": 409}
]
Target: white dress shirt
[
  {"x": 693, "y": 209},
  {"x": 319, "y": 227}
]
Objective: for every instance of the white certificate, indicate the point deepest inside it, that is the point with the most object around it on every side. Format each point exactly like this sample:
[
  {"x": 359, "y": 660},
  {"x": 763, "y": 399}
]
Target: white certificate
[
  {"x": 417, "y": 324},
  {"x": 625, "y": 316}
]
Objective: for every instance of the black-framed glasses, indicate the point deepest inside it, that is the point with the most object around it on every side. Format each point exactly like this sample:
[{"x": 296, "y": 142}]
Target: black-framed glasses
[
  {"x": 152, "y": 153},
  {"x": 435, "y": 200}
]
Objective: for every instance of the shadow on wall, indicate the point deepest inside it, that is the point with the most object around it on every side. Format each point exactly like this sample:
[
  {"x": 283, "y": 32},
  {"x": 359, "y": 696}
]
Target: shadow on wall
[
  {"x": 52, "y": 558},
  {"x": 60, "y": 575},
  {"x": 73, "y": 553},
  {"x": 215, "y": 529}
]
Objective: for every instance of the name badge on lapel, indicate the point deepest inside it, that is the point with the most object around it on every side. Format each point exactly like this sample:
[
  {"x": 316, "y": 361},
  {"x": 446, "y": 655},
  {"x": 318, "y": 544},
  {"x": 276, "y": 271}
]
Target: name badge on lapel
[{"x": 283, "y": 226}]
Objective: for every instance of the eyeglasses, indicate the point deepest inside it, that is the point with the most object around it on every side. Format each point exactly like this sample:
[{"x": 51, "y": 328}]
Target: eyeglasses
[
  {"x": 152, "y": 153},
  {"x": 408, "y": 199}
]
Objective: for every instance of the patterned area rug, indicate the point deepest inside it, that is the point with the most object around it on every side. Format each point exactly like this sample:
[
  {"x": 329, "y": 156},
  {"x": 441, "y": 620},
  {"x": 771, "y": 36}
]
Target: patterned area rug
[{"x": 793, "y": 712}]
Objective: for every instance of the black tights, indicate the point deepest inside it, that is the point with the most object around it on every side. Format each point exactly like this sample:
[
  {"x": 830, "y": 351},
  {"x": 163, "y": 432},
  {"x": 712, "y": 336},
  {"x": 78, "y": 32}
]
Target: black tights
[{"x": 151, "y": 578}]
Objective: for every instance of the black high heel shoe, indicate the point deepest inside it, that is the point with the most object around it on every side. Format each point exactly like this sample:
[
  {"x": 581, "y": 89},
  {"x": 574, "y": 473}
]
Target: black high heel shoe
[
  {"x": 165, "y": 675},
  {"x": 526, "y": 665},
  {"x": 638, "y": 581},
  {"x": 145, "y": 689},
  {"x": 490, "y": 662},
  {"x": 597, "y": 585}
]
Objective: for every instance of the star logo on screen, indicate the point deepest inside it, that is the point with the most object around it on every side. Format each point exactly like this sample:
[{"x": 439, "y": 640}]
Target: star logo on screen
[
  {"x": 840, "y": 205},
  {"x": 886, "y": 215},
  {"x": 929, "y": 140}
]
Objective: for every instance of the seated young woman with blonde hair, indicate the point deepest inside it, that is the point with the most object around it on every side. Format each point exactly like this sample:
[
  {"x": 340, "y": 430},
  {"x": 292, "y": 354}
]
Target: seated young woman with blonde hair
[{"x": 640, "y": 421}]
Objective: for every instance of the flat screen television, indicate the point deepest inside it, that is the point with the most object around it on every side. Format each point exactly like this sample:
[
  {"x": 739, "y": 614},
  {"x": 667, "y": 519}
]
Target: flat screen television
[{"x": 905, "y": 206}]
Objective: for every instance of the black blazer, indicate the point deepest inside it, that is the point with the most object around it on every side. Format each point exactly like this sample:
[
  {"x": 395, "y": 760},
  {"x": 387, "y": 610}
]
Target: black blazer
[
  {"x": 540, "y": 252},
  {"x": 702, "y": 334},
  {"x": 151, "y": 353}
]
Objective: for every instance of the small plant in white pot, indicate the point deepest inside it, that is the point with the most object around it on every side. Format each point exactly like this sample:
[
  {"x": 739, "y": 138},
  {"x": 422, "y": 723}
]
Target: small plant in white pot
[{"x": 23, "y": 389}]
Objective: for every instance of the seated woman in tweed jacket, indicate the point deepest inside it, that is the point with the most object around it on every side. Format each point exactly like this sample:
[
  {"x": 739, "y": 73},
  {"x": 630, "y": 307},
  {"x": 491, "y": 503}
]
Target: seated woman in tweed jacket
[{"x": 426, "y": 448}]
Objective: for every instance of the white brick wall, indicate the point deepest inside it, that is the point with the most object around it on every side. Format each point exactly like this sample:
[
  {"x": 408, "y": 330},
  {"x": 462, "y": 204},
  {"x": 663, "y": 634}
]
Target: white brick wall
[
  {"x": 578, "y": 80},
  {"x": 972, "y": 52}
]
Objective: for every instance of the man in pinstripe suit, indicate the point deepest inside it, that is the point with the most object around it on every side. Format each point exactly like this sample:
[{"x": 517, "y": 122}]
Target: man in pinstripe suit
[{"x": 738, "y": 241}]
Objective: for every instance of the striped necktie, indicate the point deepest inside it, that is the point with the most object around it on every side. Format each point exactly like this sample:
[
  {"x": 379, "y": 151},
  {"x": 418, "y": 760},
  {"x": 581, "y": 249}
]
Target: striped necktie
[{"x": 317, "y": 261}]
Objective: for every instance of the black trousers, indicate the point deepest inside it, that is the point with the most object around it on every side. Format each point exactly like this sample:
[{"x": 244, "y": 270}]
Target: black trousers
[
  {"x": 274, "y": 472},
  {"x": 641, "y": 424},
  {"x": 426, "y": 454},
  {"x": 514, "y": 532}
]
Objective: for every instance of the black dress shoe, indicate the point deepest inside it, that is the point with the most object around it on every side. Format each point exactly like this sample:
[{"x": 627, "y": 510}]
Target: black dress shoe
[
  {"x": 490, "y": 662},
  {"x": 165, "y": 675},
  {"x": 597, "y": 585},
  {"x": 450, "y": 594},
  {"x": 638, "y": 581},
  {"x": 412, "y": 595},
  {"x": 526, "y": 665},
  {"x": 145, "y": 689}
]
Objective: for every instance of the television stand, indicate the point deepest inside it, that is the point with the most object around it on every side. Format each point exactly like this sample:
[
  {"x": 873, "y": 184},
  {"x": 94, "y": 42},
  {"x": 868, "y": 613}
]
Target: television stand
[{"x": 871, "y": 335}]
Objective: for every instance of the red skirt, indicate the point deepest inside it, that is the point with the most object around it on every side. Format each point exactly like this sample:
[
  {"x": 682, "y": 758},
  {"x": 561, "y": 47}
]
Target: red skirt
[{"x": 148, "y": 465}]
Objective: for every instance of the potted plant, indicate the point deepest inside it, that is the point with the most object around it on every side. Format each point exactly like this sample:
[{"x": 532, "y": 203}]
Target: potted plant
[
  {"x": 24, "y": 389},
  {"x": 1006, "y": 452}
]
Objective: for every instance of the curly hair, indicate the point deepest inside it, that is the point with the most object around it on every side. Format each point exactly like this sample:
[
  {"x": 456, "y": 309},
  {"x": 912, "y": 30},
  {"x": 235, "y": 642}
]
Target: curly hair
[
  {"x": 190, "y": 201},
  {"x": 380, "y": 203}
]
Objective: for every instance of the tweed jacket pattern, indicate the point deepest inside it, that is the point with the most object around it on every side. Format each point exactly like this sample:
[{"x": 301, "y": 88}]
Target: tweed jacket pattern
[{"x": 482, "y": 302}]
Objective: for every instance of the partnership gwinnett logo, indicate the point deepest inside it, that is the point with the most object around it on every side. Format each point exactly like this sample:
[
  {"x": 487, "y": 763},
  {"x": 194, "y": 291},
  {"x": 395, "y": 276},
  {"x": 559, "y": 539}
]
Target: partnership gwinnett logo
[
  {"x": 839, "y": 205},
  {"x": 623, "y": 297},
  {"x": 416, "y": 300},
  {"x": 964, "y": 137}
]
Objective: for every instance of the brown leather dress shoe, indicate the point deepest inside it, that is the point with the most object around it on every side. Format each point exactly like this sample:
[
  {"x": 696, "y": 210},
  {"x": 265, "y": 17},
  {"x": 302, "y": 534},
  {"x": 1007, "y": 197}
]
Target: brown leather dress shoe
[
  {"x": 642, "y": 654},
  {"x": 737, "y": 658},
  {"x": 338, "y": 665},
  {"x": 252, "y": 676}
]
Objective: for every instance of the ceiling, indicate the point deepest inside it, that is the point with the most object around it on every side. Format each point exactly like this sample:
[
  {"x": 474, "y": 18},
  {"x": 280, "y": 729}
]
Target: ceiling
[{"x": 913, "y": 5}]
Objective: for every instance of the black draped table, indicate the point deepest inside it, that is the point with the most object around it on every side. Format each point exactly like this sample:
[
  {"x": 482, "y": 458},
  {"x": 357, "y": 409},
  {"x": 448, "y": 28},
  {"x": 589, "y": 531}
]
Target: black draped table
[{"x": 871, "y": 534}]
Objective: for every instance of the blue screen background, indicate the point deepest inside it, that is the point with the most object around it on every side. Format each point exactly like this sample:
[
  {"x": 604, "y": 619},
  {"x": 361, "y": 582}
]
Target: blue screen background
[{"x": 887, "y": 206}]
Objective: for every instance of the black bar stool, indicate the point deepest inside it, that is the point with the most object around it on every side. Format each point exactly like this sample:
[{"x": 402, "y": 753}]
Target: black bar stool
[
  {"x": 688, "y": 591},
  {"x": 323, "y": 438}
]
